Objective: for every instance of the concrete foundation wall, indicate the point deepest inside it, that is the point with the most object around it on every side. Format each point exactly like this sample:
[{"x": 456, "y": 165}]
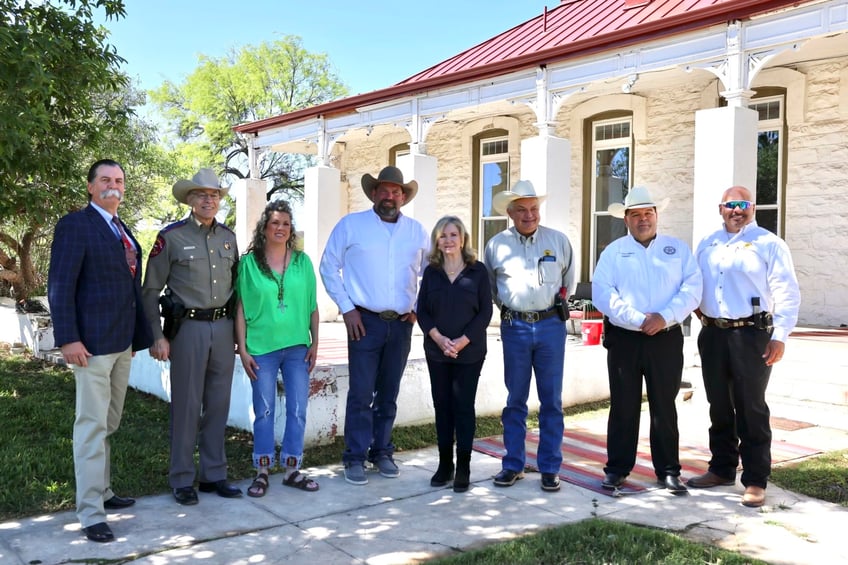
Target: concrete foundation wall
[{"x": 585, "y": 380}]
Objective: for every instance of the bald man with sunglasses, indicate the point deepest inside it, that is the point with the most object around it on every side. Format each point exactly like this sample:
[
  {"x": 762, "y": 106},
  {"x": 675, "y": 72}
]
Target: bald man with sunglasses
[{"x": 748, "y": 308}]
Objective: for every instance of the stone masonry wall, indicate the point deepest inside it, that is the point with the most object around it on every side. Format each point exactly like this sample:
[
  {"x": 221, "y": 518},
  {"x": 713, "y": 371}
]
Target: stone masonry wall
[{"x": 816, "y": 205}]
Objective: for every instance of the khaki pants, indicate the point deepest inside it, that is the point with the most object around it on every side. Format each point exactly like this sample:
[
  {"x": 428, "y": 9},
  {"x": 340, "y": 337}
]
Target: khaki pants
[{"x": 100, "y": 391}]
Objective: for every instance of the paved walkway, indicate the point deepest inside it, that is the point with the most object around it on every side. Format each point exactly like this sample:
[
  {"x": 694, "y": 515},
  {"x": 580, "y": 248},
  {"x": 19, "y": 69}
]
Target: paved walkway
[{"x": 404, "y": 520}]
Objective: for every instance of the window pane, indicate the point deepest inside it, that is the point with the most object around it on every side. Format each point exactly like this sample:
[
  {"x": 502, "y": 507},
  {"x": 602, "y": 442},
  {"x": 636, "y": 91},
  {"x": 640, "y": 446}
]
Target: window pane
[
  {"x": 491, "y": 228},
  {"x": 618, "y": 130},
  {"x": 768, "y": 162},
  {"x": 495, "y": 147},
  {"x": 612, "y": 170},
  {"x": 767, "y": 219},
  {"x": 609, "y": 229},
  {"x": 495, "y": 178},
  {"x": 767, "y": 110}
]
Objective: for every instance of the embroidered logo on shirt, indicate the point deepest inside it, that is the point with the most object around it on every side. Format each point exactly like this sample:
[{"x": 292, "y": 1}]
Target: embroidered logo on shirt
[
  {"x": 227, "y": 244},
  {"x": 669, "y": 250}
]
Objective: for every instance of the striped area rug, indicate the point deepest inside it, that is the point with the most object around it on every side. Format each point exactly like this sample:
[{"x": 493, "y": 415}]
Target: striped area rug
[
  {"x": 584, "y": 455},
  {"x": 332, "y": 352}
]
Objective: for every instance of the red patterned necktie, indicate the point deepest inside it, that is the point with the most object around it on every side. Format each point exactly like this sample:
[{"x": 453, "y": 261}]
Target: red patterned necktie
[{"x": 129, "y": 248}]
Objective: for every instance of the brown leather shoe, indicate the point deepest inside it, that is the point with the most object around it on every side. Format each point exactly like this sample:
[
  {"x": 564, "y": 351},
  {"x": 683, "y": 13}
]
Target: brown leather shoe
[
  {"x": 754, "y": 497},
  {"x": 709, "y": 480}
]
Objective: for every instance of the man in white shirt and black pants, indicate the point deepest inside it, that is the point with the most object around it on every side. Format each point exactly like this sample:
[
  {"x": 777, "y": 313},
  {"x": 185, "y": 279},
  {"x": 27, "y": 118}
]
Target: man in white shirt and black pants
[
  {"x": 646, "y": 284},
  {"x": 370, "y": 269},
  {"x": 749, "y": 307}
]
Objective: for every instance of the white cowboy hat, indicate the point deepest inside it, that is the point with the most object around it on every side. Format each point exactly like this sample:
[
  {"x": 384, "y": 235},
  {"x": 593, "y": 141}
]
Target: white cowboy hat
[
  {"x": 638, "y": 197},
  {"x": 392, "y": 175},
  {"x": 205, "y": 179},
  {"x": 522, "y": 189}
]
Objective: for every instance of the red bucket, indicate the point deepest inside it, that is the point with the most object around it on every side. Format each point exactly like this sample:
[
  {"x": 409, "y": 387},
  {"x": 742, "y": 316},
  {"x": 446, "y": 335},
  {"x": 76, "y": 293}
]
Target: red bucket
[{"x": 591, "y": 330}]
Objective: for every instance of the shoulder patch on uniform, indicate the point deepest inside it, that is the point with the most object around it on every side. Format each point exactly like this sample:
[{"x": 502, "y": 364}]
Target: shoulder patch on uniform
[{"x": 158, "y": 245}]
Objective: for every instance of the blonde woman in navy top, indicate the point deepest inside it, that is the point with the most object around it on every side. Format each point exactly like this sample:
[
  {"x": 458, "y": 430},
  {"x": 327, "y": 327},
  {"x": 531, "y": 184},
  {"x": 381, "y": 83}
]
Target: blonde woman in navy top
[{"x": 454, "y": 309}]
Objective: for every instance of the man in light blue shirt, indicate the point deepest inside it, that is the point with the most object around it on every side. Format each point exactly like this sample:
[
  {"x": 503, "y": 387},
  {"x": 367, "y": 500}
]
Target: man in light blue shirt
[
  {"x": 529, "y": 265},
  {"x": 370, "y": 268},
  {"x": 646, "y": 284}
]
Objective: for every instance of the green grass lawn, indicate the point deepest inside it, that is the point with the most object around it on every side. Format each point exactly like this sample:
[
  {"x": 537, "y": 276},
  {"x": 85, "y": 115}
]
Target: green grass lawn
[{"x": 36, "y": 461}]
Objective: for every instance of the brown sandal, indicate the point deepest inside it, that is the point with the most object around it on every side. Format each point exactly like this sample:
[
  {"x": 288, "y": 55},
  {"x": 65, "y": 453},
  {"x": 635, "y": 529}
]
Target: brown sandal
[
  {"x": 259, "y": 486},
  {"x": 301, "y": 481}
]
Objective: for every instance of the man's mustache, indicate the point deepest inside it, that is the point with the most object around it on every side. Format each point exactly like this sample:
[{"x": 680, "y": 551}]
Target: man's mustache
[{"x": 111, "y": 192}]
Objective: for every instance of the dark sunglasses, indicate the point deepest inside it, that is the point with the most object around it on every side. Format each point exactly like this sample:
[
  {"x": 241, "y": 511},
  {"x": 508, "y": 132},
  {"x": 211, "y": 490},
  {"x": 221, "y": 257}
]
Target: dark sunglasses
[{"x": 741, "y": 204}]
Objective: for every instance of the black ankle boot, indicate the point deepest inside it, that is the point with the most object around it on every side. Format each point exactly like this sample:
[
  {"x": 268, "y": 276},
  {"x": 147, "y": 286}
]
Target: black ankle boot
[
  {"x": 463, "y": 471},
  {"x": 445, "y": 471}
]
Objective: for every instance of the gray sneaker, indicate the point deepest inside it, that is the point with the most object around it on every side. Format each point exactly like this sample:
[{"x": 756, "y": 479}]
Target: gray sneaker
[
  {"x": 354, "y": 473},
  {"x": 387, "y": 467}
]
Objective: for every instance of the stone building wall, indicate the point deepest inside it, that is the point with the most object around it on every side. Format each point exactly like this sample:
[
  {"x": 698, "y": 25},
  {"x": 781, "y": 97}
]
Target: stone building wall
[{"x": 816, "y": 204}]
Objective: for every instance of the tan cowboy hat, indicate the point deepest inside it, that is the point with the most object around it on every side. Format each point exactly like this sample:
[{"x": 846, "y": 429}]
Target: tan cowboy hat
[
  {"x": 522, "y": 189},
  {"x": 205, "y": 179},
  {"x": 638, "y": 197},
  {"x": 392, "y": 175}
]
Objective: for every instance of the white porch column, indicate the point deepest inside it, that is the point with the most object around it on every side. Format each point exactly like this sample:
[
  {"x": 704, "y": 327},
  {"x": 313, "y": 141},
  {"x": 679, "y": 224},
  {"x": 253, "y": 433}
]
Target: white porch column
[
  {"x": 250, "y": 202},
  {"x": 422, "y": 168},
  {"x": 546, "y": 162},
  {"x": 324, "y": 203},
  {"x": 725, "y": 156}
]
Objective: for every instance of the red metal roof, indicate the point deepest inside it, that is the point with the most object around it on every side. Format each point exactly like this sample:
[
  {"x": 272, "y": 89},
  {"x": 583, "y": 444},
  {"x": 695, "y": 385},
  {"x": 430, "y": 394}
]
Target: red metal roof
[
  {"x": 570, "y": 23},
  {"x": 574, "y": 28}
]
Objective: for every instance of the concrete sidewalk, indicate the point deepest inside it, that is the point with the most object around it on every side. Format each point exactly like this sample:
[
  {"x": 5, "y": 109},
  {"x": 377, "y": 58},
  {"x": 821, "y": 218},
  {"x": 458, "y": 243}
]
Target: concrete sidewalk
[{"x": 403, "y": 520}]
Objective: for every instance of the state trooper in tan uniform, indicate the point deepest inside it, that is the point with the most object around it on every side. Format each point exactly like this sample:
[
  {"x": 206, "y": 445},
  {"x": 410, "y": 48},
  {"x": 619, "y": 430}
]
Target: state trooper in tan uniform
[{"x": 196, "y": 258}]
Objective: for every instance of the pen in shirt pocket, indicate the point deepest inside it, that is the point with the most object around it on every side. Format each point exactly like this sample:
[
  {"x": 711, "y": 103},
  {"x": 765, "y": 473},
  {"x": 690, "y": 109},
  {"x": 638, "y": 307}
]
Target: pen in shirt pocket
[{"x": 546, "y": 258}]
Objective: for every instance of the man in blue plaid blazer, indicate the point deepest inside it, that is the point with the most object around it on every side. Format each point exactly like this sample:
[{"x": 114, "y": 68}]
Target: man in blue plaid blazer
[{"x": 94, "y": 290}]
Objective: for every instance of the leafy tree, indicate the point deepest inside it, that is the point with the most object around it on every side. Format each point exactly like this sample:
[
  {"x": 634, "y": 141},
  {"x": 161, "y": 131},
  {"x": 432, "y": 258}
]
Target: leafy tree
[
  {"x": 249, "y": 84},
  {"x": 54, "y": 62},
  {"x": 63, "y": 104}
]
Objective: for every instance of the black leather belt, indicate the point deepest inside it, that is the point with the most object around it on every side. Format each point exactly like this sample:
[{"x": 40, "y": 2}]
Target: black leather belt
[
  {"x": 208, "y": 315},
  {"x": 727, "y": 323},
  {"x": 387, "y": 315},
  {"x": 530, "y": 317}
]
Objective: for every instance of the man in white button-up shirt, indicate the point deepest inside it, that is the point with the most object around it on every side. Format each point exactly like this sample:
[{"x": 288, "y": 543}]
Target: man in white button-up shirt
[
  {"x": 646, "y": 284},
  {"x": 370, "y": 269},
  {"x": 749, "y": 307}
]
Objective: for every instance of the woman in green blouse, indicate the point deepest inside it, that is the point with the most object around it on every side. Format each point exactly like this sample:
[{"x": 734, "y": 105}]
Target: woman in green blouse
[{"x": 277, "y": 332}]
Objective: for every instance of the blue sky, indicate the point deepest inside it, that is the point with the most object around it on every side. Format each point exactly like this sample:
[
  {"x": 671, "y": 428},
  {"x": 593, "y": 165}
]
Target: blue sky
[{"x": 372, "y": 43}]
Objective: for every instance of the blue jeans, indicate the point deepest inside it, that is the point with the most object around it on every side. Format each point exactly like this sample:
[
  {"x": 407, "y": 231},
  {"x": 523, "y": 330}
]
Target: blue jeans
[
  {"x": 289, "y": 361},
  {"x": 541, "y": 347},
  {"x": 376, "y": 364}
]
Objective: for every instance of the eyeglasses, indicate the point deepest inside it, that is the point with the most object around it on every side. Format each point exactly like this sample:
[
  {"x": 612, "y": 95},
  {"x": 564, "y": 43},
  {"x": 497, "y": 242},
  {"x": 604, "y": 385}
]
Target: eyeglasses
[{"x": 741, "y": 204}]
